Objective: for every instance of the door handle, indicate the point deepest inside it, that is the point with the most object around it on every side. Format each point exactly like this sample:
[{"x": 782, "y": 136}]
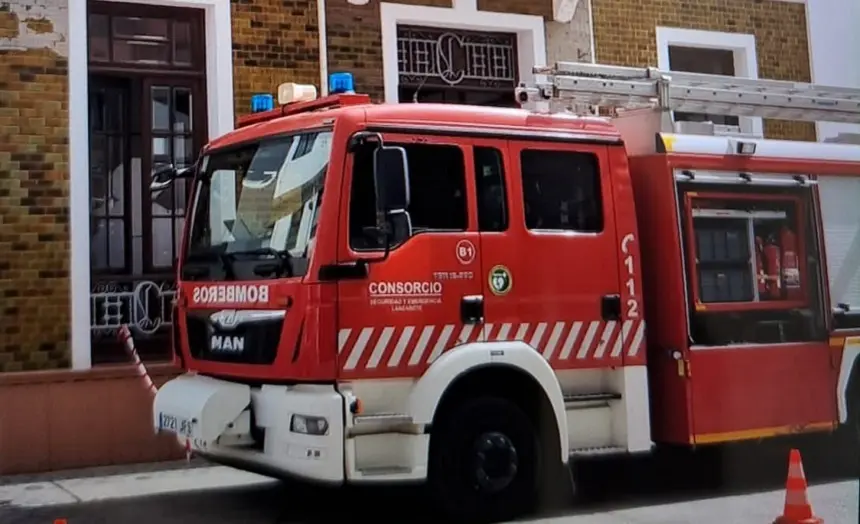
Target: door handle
[
  {"x": 610, "y": 307},
  {"x": 472, "y": 309}
]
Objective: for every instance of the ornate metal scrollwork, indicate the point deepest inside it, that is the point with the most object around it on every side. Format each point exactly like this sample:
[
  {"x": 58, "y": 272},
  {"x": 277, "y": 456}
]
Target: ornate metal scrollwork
[{"x": 145, "y": 305}]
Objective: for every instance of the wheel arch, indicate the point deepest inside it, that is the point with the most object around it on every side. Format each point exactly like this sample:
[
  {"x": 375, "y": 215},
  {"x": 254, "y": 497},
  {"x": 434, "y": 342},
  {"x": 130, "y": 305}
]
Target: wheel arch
[{"x": 509, "y": 369}]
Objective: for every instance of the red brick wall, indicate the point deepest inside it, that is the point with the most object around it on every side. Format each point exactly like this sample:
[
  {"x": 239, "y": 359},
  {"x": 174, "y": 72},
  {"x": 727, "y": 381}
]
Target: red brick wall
[{"x": 34, "y": 186}]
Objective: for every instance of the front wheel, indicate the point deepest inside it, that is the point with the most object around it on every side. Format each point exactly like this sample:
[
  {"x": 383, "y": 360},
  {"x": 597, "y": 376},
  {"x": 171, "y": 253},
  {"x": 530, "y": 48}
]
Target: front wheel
[{"x": 485, "y": 461}]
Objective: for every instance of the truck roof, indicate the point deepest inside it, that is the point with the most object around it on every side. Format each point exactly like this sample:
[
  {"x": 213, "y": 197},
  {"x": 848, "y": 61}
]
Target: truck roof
[{"x": 459, "y": 117}]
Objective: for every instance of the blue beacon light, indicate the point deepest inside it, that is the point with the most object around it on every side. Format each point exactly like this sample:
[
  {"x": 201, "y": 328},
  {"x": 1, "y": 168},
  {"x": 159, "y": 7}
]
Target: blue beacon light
[
  {"x": 261, "y": 103},
  {"x": 341, "y": 83}
]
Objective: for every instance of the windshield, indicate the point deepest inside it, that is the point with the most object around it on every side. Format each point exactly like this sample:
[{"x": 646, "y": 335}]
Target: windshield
[{"x": 261, "y": 200}]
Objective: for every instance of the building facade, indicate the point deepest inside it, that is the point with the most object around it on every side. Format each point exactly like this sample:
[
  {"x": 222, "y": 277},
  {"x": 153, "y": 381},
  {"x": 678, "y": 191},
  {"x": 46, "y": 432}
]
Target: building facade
[
  {"x": 95, "y": 95},
  {"x": 744, "y": 38}
]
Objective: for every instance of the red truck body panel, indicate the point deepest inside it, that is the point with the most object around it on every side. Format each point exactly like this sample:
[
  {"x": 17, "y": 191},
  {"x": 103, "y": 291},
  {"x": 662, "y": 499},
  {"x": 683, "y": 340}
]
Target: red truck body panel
[
  {"x": 731, "y": 392},
  {"x": 357, "y": 329}
]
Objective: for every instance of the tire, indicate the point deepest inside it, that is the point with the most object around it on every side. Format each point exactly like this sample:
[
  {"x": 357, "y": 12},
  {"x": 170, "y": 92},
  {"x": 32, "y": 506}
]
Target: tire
[
  {"x": 852, "y": 427},
  {"x": 485, "y": 461},
  {"x": 854, "y": 421}
]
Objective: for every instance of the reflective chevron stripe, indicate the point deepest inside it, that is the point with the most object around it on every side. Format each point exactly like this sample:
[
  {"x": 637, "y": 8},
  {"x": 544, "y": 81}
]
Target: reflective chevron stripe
[{"x": 370, "y": 348}]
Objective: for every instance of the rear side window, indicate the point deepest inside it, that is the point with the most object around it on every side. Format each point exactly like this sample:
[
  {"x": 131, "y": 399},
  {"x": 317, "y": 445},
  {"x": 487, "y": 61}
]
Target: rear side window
[
  {"x": 438, "y": 192},
  {"x": 490, "y": 182},
  {"x": 561, "y": 190}
]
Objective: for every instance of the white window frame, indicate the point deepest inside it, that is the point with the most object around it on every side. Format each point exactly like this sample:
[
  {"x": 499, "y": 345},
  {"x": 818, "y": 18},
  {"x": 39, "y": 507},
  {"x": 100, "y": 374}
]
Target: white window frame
[
  {"x": 219, "y": 90},
  {"x": 741, "y": 45},
  {"x": 531, "y": 42}
]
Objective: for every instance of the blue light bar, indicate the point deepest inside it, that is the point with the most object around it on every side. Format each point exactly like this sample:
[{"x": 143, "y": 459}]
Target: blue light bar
[
  {"x": 341, "y": 83},
  {"x": 261, "y": 103}
]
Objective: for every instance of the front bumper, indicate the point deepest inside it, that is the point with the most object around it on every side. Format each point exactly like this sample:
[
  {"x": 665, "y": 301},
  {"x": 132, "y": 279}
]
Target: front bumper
[{"x": 214, "y": 417}]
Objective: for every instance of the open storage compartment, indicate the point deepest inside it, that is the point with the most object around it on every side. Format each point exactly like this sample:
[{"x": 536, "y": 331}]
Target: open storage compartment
[
  {"x": 746, "y": 251},
  {"x": 753, "y": 264}
]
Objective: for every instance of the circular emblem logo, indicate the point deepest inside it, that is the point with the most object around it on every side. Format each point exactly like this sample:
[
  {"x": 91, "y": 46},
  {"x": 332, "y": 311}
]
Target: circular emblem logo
[
  {"x": 500, "y": 280},
  {"x": 465, "y": 252}
]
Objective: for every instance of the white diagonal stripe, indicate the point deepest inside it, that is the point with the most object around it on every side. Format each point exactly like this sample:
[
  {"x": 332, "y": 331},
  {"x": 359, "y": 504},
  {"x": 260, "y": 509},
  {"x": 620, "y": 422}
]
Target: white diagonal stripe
[
  {"x": 521, "y": 332},
  {"x": 358, "y": 348},
  {"x": 608, "y": 331},
  {"x": 441, "y": 344},
  {"x": 465, "y": 333},
  {"x": 571, "y": 338},
  {"x": 381, "y": 346},
  {"x": 637, "y": 339},
  {"x": 418, "y": 352},
  {"x": 342, "y": 337},
  {"x": 622, "y": 338},
  {"x": 553, "y": 340},
  {"x": 402, "y": 343},
  {"x": 484, "y": 335},
  {"x": 538, "y": 336},
  {"x": 503, "y": 332},
  {"x": 585, "y": 347}
]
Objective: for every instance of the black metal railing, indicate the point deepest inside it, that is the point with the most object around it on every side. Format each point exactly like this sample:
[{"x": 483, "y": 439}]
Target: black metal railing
[{"x": 143, "y": 302}]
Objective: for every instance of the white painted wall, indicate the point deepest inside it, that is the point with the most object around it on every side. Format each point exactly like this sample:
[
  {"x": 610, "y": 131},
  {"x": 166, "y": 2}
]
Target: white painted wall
[
  {"x": 834, "y": 49},
  {"x": 571, "y": 41}
]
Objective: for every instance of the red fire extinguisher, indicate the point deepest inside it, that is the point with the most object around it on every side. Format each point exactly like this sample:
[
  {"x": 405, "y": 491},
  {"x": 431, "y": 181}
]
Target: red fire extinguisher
[
  {"x": 772, "y": 265},
  {"x": 761, "y": 277},
  {"x": 790, "y": 263}
]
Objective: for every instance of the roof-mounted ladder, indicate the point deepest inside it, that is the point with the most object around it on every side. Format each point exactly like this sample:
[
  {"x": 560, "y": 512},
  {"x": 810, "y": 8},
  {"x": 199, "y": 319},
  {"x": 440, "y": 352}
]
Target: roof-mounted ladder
[{"x": 568, "y": 86}]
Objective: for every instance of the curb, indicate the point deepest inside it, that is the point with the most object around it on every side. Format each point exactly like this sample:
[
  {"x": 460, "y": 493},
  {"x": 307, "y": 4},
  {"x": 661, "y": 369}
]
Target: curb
[{"x": 63, "y": 489}]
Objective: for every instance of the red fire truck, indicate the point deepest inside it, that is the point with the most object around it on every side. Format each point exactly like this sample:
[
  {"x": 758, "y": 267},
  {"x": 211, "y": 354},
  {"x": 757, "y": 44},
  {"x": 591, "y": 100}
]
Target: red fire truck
[{"x": 406, "y": 292}]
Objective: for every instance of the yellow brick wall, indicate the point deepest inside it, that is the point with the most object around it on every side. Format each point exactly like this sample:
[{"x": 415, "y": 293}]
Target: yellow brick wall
[
  {"x": 625, "y": 34},
  {"x": 34, "y": 186},
  {"x": 274, "y": 41}
]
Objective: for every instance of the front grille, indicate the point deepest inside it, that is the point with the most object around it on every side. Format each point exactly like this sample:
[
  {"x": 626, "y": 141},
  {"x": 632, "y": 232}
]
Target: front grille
[{"x": 251, "y": 342}]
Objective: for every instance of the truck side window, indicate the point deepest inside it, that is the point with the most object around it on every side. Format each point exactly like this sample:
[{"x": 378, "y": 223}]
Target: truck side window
[
  {"x": 490, "y": 182},
  {"x": 561, "y": 190},
  {"x": 438, "y": 192}
]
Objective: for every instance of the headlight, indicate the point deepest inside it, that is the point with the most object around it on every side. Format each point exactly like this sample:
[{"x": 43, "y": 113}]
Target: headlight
[{"x": 309, "y": 425}]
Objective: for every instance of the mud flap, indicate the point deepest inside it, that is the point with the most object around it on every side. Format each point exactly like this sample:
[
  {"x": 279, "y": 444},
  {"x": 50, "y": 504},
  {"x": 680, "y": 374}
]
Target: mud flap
[{"x": 200, "y": 409}]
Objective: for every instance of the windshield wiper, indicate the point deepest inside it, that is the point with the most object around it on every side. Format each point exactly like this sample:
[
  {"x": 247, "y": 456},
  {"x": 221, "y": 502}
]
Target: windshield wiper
[
  {"x": 282, "y": 266},
  {"x": 195, "y": 257}
]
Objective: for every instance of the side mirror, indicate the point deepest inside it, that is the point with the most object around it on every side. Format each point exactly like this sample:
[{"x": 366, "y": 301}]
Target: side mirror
[
  {"x": 391, "y": 178},
  {"x": 165, "y": 175},
  {"x": 162, "y": 177}
]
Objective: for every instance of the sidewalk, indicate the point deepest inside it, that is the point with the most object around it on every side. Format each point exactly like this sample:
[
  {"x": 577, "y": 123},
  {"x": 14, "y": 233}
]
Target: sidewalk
[{"x": 116, "y": 482}]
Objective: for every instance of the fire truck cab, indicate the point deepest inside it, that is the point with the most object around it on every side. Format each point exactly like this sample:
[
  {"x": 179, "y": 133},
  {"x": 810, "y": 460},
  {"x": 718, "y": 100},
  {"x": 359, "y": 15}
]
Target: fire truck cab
[{"x": 409, "y": 292}]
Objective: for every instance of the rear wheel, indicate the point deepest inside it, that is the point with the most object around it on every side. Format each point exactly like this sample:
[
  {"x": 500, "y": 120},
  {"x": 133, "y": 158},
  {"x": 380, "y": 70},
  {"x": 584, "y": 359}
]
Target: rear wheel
[{"x": 485, "y": 461}]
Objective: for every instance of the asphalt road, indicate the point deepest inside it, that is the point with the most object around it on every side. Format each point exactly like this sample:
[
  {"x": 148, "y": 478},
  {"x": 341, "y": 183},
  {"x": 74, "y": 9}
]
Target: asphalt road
[{"x": 739, "y": 485}]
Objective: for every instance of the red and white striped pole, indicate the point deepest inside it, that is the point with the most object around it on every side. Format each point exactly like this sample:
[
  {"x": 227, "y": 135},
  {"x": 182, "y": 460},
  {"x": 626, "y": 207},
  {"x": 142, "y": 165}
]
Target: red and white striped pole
[{"x": 126, "y": 339}]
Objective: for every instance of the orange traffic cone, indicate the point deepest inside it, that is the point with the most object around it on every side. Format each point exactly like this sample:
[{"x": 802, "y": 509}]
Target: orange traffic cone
[{"x": 797, "y": 510}]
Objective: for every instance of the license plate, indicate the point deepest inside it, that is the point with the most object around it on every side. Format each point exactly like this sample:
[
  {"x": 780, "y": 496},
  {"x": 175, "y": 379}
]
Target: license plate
[{"x": 174, "y": 424}]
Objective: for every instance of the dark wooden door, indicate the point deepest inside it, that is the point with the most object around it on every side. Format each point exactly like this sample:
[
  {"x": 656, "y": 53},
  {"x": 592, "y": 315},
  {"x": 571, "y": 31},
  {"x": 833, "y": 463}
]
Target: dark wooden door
[{"x": 147, "y": 107}]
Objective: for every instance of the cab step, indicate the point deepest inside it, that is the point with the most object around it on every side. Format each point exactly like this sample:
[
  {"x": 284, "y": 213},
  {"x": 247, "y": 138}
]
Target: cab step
[
  {"x": 572, "y": 401},
  {"x": 384, "y": 471},
  {"x": 383, "y": 418},
  {"x": 598, "y": 451}
]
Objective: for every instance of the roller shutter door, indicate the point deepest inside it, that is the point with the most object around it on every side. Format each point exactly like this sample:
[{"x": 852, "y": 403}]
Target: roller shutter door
[{"x": 840, "y": 209}]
